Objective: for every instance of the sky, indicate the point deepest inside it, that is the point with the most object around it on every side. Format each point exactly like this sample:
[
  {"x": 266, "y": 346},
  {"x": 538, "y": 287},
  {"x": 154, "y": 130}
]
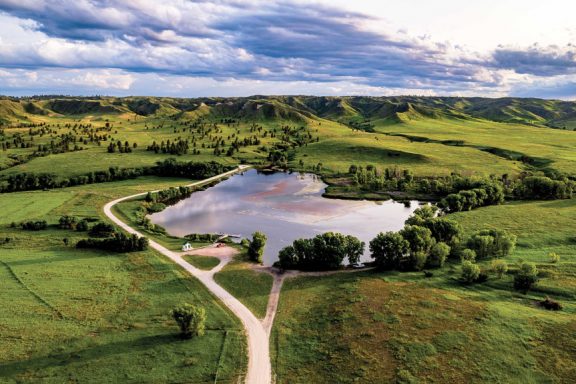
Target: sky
[{"x": 186, "y": 48}]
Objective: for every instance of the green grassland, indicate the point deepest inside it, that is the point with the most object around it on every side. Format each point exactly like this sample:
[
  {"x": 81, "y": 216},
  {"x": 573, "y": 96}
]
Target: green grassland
[
  {"x": 251, "y": 287},
  {"x": 408, "y": 328},
  {"x": 92, "y": 316},
  {"x": 203, "y": 262}
]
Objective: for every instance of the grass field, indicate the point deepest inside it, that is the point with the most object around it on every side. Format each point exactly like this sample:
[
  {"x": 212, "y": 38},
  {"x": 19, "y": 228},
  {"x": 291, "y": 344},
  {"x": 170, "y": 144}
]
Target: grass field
[
  {"x": 407, "y": 328},
  {"x": 203, "y": 262},
  {"x": 252, "y": 288},
  {"x": 91, "y": 316}
]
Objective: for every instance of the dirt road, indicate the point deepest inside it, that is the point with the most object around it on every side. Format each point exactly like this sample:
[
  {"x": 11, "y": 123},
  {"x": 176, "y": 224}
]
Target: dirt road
[{"x": 259, "y": 368}]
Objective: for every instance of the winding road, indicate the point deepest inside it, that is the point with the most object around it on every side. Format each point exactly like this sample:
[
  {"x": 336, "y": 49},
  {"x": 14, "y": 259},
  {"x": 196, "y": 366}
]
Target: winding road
[{"x": 259, "y": 367}]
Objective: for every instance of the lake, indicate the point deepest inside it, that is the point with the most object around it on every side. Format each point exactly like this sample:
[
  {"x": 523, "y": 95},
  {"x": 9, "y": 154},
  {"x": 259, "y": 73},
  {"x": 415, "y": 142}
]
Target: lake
[{"x": 284, "y": 206}]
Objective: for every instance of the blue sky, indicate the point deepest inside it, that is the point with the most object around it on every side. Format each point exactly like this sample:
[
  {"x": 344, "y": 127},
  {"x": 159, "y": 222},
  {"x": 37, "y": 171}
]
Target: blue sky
[{"x": 246, "y": 47}]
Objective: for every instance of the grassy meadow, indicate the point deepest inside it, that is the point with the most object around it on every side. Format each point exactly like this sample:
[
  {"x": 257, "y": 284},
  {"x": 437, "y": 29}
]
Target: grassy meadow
[
  {"x": 404, "y": 327},
  {"x": 92, "y": 316}
]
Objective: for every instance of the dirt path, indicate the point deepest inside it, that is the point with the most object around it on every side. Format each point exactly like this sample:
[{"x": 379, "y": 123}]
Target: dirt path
[{"x": 259, "y": 367}]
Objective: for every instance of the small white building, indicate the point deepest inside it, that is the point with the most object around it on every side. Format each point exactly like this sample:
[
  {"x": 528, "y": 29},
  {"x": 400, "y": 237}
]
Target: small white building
[{"x": 187, "y": 247}]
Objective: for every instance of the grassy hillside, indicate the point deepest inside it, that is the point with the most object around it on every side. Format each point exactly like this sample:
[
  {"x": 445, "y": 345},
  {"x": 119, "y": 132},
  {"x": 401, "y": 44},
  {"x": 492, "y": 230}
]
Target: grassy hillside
[{"x": 431, "y": 135}]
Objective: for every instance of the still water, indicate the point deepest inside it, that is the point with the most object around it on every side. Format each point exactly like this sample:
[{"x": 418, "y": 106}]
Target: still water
[{"x": 283, "y": 206}]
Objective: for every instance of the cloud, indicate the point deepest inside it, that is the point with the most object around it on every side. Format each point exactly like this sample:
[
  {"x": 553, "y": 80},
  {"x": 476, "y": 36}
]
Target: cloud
[
  {"x": 308, "y": 43},
  {"x": 537, "y": 60}
]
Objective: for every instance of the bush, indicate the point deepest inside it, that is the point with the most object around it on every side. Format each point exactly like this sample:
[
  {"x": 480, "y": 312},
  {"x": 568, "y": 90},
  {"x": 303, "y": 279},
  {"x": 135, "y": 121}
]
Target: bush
[
  {"x": 492, "y": 243},
  {"x": 67, "y": 222},
  {"x": 191, "y": 320},
  {"x": 470, "y": 272},
  {"x": 553, "y": 257},
  {"x": 499, "y": 267},
  {"x": 101, "y": 230},
  {"x": 468, "y": 255},
  {"x": 82, "y": 225},
  {"x": 119, "y": 242},
  {"x": 37, "y": 225},
  {"x": 550, "y": 304},
  {"x": 526, "y": 277},
  {"x": 438, "y": 255}
]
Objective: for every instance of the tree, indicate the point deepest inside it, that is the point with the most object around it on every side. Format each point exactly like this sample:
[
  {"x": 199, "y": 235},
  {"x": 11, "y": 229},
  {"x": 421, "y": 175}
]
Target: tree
[
  {"x": 526, "y": 277},
  {"x": 438, "y": 255},
  {"x": 388, "y": 249},
  {"x": 256, "y": 248},
  {"x": 422, "y": 214},
  {"x": 499, "y": 267},
  {"x": 354, "y": 248},
  {"x": 470, "y": 272},
  {"x": 420, "y": 242},
  {"x": 482, "y": 245},
  {"x": 191, "y": 320},
  {"x": 468, "y": 255},
  {"x": 492, "y": 243}
]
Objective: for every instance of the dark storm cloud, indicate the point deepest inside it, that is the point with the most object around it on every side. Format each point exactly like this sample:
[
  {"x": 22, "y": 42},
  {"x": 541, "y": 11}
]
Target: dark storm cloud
[{"x": 536, "y": 60}]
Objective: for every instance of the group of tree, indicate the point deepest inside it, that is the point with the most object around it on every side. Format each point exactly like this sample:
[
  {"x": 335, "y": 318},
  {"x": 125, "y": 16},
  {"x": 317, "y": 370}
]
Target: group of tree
[
  {"x": 489, "y": 194},
  {"x": 117, "y": 242},
  {"x": 34, "y": 225},
  {"x": 121, "y": 148},
  {"x": 326, "y": 251},
  {"x": 167, "y": 168},
  {"x": 168, "y": 196},
  {"x": 458, "y": 193},
  {"x": 426, "y": 241}
]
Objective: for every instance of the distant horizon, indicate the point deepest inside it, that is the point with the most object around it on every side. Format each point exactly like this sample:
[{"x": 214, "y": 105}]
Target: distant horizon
[{"x": 47, "y": 95}]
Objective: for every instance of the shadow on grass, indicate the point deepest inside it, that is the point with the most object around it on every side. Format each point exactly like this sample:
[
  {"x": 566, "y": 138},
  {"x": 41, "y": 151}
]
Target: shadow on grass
[{"x": 87, "y": 354}]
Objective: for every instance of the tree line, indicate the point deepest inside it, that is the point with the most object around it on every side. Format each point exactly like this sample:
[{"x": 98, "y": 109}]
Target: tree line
[{"x": 167, "y": 168}]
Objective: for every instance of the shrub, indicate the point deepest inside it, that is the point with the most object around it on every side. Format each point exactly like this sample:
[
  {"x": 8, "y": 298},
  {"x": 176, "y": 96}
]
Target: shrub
[
  {"x": 492, "y": 243},
  {"x": 550, "y": 304},
  {"x": 438, "y": 255},
  {"x": 191, "y": 320},
  {"x": 526, "y": 277},
  {"x": 499, "y": 267},
  {"x": 37, "y": 225},
  {"x": 553, "y": 257},
  {"x": 119, "y": 242},
  {"x": 82, "y": 225},
  {"x": 67, "y": 222},
  {"x": 470, "y": 272},
  {"x": 468, "y": 255},
  {"x": 101, "y": 230}
]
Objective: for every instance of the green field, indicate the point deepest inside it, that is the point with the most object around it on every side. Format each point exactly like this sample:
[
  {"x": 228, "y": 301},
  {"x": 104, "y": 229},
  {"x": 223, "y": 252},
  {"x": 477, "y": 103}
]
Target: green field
[
  {"x": 203, "y": 262},
  {"x": 249, "y": 286},
  {"x": 78, "y": 315},
  {"x": 405, "y": 327}
]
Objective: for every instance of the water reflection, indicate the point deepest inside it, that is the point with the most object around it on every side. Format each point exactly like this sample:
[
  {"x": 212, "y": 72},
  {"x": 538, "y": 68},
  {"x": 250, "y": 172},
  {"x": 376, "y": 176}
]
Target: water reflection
[{"x": 283, "y": 206}]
